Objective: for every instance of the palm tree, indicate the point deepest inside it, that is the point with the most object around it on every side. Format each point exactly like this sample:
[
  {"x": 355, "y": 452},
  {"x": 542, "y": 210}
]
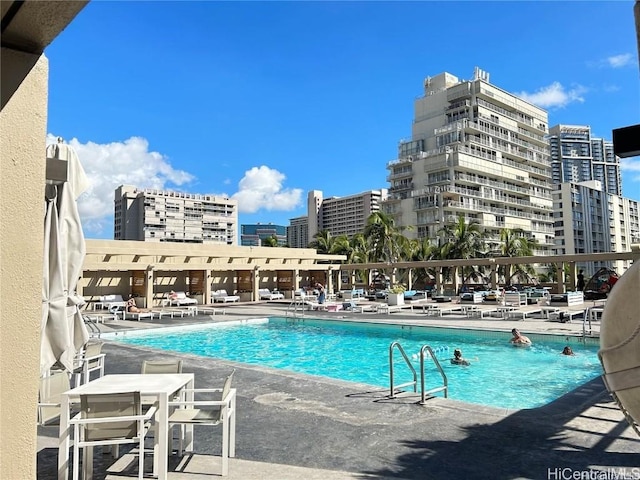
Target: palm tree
[
  {"x": 323, "y": 242},
  {"x": 515, "y": 243},
  {"x": 385, "y": 239},
  {"x": 422, "y": 250},
  {"x": 360, "y": 253},
  {"x": 460, "y": 240}
]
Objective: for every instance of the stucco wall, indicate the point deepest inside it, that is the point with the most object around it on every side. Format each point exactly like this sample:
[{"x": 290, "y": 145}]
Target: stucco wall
[{"x": 23, "y": 119}]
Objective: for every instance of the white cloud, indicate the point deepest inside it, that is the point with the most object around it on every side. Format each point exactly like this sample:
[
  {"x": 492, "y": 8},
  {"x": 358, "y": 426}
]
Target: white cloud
[
  {"x": 555, "y": 95},
  {"x": 113, "y": 164},
  {"x": 261, "y": 188},
  {"x": 618, "y": 61},
  {"x": 614, "y": 61},
  {"x": 632, "y": 166}
]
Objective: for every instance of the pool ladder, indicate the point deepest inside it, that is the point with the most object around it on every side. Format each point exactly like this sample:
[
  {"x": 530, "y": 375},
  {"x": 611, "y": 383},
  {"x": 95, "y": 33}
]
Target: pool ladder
[
  {"x": 92, "y": 326},
  {"x": 423, "y": 393},
  {"x": 296, "y": 308}
]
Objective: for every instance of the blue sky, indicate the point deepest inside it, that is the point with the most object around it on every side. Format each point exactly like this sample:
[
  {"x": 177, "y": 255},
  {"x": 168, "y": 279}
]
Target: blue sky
[{"x": 264, "y": 101}]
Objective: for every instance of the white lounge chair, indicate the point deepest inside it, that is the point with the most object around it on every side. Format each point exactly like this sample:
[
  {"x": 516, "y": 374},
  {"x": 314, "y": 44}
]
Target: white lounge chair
[
  {"x": 221, "y": 296},
  {"x": 266, "y": 294},
  {"x": 110, "y": 302},
  {"x": 179, "y": 299}
]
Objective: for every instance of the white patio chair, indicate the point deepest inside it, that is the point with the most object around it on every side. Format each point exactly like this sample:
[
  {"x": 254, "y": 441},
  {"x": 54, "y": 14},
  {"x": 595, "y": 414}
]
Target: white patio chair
[
  {"x": 162, "y": 366},
  {"x": 109, "y": 419},
  {"x": 51, "y": 388},
  {"x": 208, "y": 412},
  {"x": 90, "y": 360}
]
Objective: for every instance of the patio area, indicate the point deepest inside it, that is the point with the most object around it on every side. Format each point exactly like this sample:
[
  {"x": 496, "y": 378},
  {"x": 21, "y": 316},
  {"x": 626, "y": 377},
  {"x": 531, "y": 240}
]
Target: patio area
[{"x": 292, "y": 426}]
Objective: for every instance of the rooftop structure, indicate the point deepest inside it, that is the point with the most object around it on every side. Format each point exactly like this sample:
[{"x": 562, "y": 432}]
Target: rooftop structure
[
  {"x": 342, "y": 215},
  {"x": 298, "y": 232},
  {"x": 577, "y": 156},
  {"x": 254, "y": 235},
  {"x": 476, "y": 151},
  {"x": 590, "y": 220},
  {"x": 152, "y": 215}
]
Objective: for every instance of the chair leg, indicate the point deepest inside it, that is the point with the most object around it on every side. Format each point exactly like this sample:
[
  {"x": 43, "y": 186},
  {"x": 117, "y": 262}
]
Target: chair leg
[
  {"x": 76, "y": 455},
  {"x": 225, "y": 447},
  {"x": 87, "y": 466},
  {"x": 141, "y": 458}
]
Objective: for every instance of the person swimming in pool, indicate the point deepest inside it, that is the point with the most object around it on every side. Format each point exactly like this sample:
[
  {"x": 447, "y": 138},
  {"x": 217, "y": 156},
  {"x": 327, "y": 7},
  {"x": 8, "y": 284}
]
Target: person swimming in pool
[
  {"x": 519, "y": 340},
  {"x": 457, "y": 358},
  {"x": 567, "y": 351}
]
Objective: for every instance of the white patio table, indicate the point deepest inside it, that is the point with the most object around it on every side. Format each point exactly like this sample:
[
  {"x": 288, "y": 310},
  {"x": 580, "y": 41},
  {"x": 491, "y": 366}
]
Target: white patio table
[{"x": 153, "y": 388}]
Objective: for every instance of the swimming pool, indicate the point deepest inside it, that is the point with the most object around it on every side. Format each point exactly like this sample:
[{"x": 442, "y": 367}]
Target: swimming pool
[{"x": 499, "y": 375}]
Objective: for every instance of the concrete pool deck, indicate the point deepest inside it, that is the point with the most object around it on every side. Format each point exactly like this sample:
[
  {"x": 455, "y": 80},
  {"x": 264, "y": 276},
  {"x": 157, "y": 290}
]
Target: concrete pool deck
[{"x": 292, "y": 426}]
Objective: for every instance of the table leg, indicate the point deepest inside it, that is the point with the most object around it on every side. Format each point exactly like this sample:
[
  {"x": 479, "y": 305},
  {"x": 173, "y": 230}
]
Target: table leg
[
  {"x": 63, "y": 439},
  {"x": 161, "y": 460},
  {"x": 188, "y": 430}
]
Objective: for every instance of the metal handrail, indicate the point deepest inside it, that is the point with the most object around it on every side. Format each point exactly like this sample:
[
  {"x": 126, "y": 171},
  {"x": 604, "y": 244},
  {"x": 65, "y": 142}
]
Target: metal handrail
[
  {"x": 392, "y": 388},
  {"x": 294, "y": 306},
  {"x": 92, "y": 325},
  {"x": 445, "y": 385}
]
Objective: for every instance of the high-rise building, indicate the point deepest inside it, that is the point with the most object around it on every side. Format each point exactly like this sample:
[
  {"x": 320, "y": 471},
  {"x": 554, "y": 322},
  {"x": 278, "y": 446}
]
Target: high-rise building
[
  {"x": 342, "y": 215},
  {"x": 165, "y": 216},
  {"x": 254, "y": 235},
  {"x": 590, "y": 220},
  {"x": 475, "y": 151},
  {"x": 298, "y": 232},
  {"x": 577, "y": 157}
]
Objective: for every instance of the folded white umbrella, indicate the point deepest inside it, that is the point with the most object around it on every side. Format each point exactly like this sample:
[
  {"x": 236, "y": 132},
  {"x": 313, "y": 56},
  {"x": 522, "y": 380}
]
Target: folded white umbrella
[
  {"x": 63, "y": 331},
  {"x": 620, "y": 344}
]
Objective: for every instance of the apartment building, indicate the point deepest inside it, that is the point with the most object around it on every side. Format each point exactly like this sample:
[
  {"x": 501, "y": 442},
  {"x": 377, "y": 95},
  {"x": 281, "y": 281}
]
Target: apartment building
[
  {"x": 590, "y": 220},
  {"x": 165, "y": 216},
  {"x": 577, "y": 156},
  {"x": 253, "y": 235},
  {"x": 298, "y": 232},
  {"x": 342, "y": 215},
  {"x": 476, "y": 151}
]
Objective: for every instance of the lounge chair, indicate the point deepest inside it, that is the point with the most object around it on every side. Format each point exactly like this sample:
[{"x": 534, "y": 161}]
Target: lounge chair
[
  {"x": 221, "y": 296},
  {"x": 110, "y": 302},
  {"x": 179, "y": 299},
  {"x": 216, "y": 411},
  {"x": 266, "y": 294}
]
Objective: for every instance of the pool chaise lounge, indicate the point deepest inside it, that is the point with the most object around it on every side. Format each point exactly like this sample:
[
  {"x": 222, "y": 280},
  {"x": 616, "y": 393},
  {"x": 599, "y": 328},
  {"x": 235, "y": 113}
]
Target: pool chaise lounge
[
  {"x": 179, "y": 299},
  {"x": 110, "y": 302},
  {"x": 266, "y": 294},
  {"x": 221, "y": 296}
]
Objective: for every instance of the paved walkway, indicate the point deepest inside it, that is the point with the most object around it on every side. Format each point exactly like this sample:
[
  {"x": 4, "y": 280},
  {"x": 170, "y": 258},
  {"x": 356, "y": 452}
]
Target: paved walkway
[{"x": 294, "y": 426}]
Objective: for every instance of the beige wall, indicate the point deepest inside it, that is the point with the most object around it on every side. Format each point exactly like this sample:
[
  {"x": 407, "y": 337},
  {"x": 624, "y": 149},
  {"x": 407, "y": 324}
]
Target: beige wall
[{"x": 22, "y": 155}]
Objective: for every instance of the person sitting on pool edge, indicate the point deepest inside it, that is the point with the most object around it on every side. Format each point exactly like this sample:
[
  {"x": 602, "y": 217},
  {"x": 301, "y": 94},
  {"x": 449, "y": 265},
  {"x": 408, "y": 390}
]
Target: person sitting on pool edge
[
  {"x": 457, "y": 358},
  {"x": 519, "y": 340},
  {"x": 567, "y": 351}
]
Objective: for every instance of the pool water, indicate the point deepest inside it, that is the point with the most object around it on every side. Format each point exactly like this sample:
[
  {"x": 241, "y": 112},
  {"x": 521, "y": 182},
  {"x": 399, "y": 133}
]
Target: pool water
[{"x": 500, "y": 375}]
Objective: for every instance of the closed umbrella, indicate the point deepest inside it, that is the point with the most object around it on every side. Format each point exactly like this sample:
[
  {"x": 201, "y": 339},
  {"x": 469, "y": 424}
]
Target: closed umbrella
[{"x": 63, "y": 331}]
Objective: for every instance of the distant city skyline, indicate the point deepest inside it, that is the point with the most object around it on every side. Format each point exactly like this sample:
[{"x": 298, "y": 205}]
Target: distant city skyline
[{"x": 266, "y": 101}]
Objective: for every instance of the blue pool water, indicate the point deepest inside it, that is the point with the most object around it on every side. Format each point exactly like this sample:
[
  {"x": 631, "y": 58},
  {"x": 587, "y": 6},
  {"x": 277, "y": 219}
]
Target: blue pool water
[{"x": 500, "y": 375}]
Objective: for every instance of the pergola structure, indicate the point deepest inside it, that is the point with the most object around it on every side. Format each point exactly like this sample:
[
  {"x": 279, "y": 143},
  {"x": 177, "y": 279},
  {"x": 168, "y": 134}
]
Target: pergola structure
[
  {"x": 493, "y": 263},
  {"x": 150, "y": 270}
]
